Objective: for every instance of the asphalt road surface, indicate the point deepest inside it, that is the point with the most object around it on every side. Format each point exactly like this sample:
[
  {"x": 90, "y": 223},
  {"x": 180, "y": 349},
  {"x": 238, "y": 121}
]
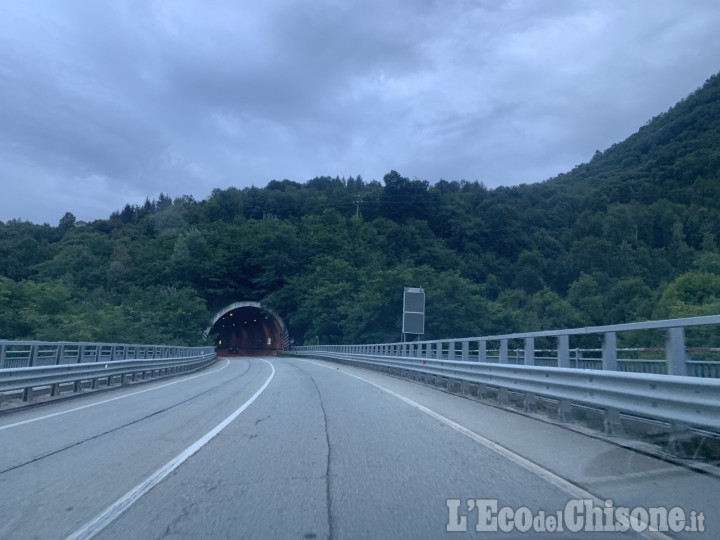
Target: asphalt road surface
[{"x": 290, "y": 448}]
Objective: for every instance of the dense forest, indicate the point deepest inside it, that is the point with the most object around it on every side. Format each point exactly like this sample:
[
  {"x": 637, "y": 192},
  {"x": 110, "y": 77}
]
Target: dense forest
[{"x": 631, "y": 235}]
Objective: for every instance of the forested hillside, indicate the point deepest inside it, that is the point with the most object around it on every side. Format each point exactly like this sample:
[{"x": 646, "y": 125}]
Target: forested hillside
[{"x": 631, "y": 235}]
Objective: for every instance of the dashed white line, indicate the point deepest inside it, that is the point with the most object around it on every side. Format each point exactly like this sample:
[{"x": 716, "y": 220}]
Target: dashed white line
[{"x": 107, "y": 516}]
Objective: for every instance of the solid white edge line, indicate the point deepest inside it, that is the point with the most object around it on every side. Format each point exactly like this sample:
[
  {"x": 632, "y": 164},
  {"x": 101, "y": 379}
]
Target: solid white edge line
[
  {"x": 107, "y": 516},
  {"x": 571, "y": 489},
  {"x": 60, "y": 413}
]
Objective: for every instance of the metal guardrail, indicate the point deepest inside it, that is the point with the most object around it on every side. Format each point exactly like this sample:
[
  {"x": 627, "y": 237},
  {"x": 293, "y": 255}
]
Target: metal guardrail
[
  {"x": 599, "y": 378},
  {"x": 15, "y": 354},
  {"x": 28, "y": 365},
  {"x": 680, "y": 401},
  {"x": 677, "y": 358}
]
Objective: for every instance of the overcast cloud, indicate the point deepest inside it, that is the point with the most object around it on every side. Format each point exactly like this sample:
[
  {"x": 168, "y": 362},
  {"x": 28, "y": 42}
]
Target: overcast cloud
[{"x": 107, "y": 103}]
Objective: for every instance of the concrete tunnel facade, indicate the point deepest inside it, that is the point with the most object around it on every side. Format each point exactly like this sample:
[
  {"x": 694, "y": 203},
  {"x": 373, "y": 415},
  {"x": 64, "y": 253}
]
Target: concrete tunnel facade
[{"x": 248, "y": 328}]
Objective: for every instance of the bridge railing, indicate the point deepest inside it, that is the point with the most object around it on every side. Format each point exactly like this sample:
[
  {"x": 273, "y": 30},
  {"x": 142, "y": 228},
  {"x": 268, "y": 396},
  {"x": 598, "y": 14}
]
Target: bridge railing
[
  {"x": 659, "y": 383},
  {"x": 675, "y": 358},
  {"x": 58, "y": 366}
]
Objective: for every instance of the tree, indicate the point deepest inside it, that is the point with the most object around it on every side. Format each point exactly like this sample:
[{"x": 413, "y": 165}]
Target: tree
[
  {"x": 404, "y": 199},
  {"x": 187, "y": 263},
  {"x": 66, "y": 222},
  {"x": 692, "y": 294}
]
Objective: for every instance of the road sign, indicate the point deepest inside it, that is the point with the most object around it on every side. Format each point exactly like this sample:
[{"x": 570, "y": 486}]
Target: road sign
[{"x": 414, "y": 310}]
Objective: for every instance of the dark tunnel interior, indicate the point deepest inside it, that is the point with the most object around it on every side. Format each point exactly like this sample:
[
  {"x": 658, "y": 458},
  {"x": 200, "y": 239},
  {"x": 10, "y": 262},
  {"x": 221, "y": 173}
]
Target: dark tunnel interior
[{"x": 247, "y": 330}]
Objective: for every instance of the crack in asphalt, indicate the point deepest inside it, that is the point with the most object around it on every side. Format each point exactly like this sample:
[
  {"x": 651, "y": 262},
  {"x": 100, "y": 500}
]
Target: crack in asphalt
[
  {"x": 172, "y": 527},
  {"x": 118, "y": 428},
  {"x": 328, "y": 491}
]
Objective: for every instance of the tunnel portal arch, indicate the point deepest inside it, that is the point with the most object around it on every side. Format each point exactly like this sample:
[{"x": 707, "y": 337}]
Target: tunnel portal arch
[{"x": 248, "y": 327}]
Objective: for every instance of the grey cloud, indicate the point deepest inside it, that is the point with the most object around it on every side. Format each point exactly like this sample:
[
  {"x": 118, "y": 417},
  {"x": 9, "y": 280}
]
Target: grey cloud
[{"x": 111, "y": 102}]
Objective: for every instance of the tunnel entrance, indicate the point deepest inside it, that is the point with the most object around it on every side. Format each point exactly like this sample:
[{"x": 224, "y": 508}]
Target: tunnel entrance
[{"x": 246, "y": 328}]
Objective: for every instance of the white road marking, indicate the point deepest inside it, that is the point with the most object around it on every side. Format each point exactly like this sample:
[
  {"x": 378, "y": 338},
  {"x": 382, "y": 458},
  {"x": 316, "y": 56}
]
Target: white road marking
[
  {"x": 571, "y": 489},
  {"x": 107, "y": 516},
  {"x": 53, "y": 415}
]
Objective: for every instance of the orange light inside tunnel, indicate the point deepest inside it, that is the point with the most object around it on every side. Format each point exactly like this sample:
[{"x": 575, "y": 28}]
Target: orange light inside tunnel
[{"x": 265, "y": 334}]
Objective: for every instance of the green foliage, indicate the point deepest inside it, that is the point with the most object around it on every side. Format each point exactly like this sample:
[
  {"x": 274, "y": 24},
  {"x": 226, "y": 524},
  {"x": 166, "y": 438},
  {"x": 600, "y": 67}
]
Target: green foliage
[
  {"x": 632, "y": 234},
  {"x": 692, "y": 294}
]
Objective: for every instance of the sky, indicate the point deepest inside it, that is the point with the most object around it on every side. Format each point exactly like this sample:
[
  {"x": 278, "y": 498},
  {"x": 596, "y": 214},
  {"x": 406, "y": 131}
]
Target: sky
[{"x": 108, "y": 103}]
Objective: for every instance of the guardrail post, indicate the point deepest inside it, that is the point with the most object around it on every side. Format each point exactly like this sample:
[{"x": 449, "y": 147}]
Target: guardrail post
[
  {"x": 482, "y": 351},
  {"x": 2, "y": 356},
  {"x": 680, "y": 435},
  {"x": 451, "y": 350},
  {"x": 613, "y": 423},
  {"x": 530, "y": 404},
  {"x": 27, "y": 392},
  {"x": 503, "y": 351},
  {"x": 59, "y": 352},
  {"x": 465, "y": 351},
  {"x": 675, "y": 352},
  {"x": 563, "y": 351},
  {"x": 609, "y": 351},
  {"x": 438, "y": 351},
  {"x": 529, "y": 351},
  {"x": 32, "y": 356},
  {"x": 565, "y": 411}
]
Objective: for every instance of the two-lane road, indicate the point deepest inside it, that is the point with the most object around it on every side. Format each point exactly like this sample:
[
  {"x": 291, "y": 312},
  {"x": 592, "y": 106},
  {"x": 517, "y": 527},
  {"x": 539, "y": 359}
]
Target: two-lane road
[{"x": 291, "y": 448}]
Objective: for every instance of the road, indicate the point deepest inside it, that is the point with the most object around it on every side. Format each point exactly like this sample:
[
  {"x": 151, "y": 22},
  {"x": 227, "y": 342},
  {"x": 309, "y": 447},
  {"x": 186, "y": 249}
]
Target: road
[{"x": 292, "y": 448}]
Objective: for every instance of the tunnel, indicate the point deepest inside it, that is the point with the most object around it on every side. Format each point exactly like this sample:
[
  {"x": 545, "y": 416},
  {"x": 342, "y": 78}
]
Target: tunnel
[{"x": 246, "y": 328}]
